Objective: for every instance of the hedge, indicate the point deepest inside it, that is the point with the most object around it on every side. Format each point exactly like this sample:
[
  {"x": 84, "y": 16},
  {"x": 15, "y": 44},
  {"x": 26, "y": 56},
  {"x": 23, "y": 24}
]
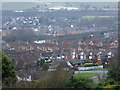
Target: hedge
[{"x": 90, "y": 64}]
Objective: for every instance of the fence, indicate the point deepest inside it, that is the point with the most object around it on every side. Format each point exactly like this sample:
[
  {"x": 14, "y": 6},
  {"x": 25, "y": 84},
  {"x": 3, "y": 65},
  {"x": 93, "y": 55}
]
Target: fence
[{"x": 89, "y": 68}]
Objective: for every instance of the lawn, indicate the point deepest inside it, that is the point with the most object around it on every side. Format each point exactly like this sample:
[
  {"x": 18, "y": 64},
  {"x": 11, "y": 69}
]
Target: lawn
[
  {"x": 89, "y": 75},
  {"x": 101, "y": 69}
]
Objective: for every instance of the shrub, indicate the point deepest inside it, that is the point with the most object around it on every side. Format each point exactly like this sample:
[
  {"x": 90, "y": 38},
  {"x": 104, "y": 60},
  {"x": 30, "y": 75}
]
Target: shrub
[
  {"x": 56, "y": 79},
  {"x": 45, "y": 66},
  {"x": 80, "y": 82},
  {"x": 88, "y": 64},
  {"x": 116, "y": 87},
  {"x": 105, "y": 83},
  {"x": 40, "y": 62},
  {"x": 95, "y": 64}
]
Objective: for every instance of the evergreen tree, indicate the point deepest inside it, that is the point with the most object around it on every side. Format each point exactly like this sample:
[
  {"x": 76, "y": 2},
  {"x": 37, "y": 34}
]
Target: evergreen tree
[{"x": 9, "y": 76}]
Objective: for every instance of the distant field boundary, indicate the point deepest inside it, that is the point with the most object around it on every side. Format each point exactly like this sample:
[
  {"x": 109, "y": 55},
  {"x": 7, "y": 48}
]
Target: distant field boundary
[{"x": 93, "y": 17}]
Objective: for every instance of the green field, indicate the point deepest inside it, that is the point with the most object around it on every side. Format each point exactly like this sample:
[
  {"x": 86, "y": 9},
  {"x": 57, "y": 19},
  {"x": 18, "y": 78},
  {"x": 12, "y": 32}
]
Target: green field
[
  {"x": 93, "y": 17},
  {"x": 89, "y": 75},
  {"x": 101, "y": 69}
]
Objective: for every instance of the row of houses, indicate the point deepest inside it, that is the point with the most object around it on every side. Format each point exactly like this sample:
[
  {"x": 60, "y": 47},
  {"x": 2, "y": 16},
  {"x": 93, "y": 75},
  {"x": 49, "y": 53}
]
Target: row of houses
[
  {"x": 79, "y": 46},
  {"x": 67, "y": 50},
  {"x": 91, "y": 55},
  {"x": 28, "y": 47},
  {"x": 83, "y": 55}
]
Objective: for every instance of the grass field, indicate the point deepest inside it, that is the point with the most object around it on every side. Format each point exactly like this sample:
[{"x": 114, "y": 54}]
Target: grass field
[
  {"x": 101, "y": 69},
  {"x": 93, "y": 17},
  {"x": 86, "y": 75}
]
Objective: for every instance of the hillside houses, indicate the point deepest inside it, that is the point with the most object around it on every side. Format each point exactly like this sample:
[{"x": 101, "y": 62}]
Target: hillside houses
[
  {"x": 89, "y": 51},
  {"x": 66, "y": 35},
  {"x": 66, "y": 49},
  {"x": 93, "y": 49}
]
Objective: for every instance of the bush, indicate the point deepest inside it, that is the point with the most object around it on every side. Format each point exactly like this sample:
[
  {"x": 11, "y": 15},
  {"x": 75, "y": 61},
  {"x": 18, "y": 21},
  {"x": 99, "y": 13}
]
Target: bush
[
  {"x": 116, "y": 87},
  {"x": 45, "y": 66},
  {"x": 80, "y": 82},
  {"x": 105, "y": 82},
  {"x": 90, "y": 64},
  {"x": 56, "y": 79},
  {"x": 40, "y": 62},
  {"x": 95, "y": 64}
]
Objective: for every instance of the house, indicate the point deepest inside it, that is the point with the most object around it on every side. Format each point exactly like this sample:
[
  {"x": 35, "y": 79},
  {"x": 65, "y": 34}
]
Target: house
[
  {"x": 100, "y": 44},
  {"x": 63, "y": 56},
  {"x": 35, "y": 48},
  {"x": 30, "y": 48},
  {"x": 28, "y": 78},
  {"x": 106, "y": 35},
  {"x": 49, "y": 49},
  {"x": 99, "y": 62},
  {"x": 114, "y": 44},
  {"x": 99, "y": 55},
  {"x": 67, "y": 44},
  {"x": 69, "y": 64},
  {"x": 78, "y": 63},
  {"x": 12, "y": 48},
  {"x": 67, "y": 56},
  {"x": 110, "y": 55},
  {"x": 91, "y": 56},
  {"x": 74, "y": 55},
  {"x": 58, "y": 57},
  {"x": 80, "y": 43},
  {"x": 5, "y": 32},
  {"x": 91, "y": 43},
  {"x": 84, "y": 43},
  {"x": 79, "y": 48},
  {"x": 46, "y": 47},
  {"x": 57, "y": 43},
  {"x": 96, "y": 58},
  {"x": 82, "y": 56}
]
